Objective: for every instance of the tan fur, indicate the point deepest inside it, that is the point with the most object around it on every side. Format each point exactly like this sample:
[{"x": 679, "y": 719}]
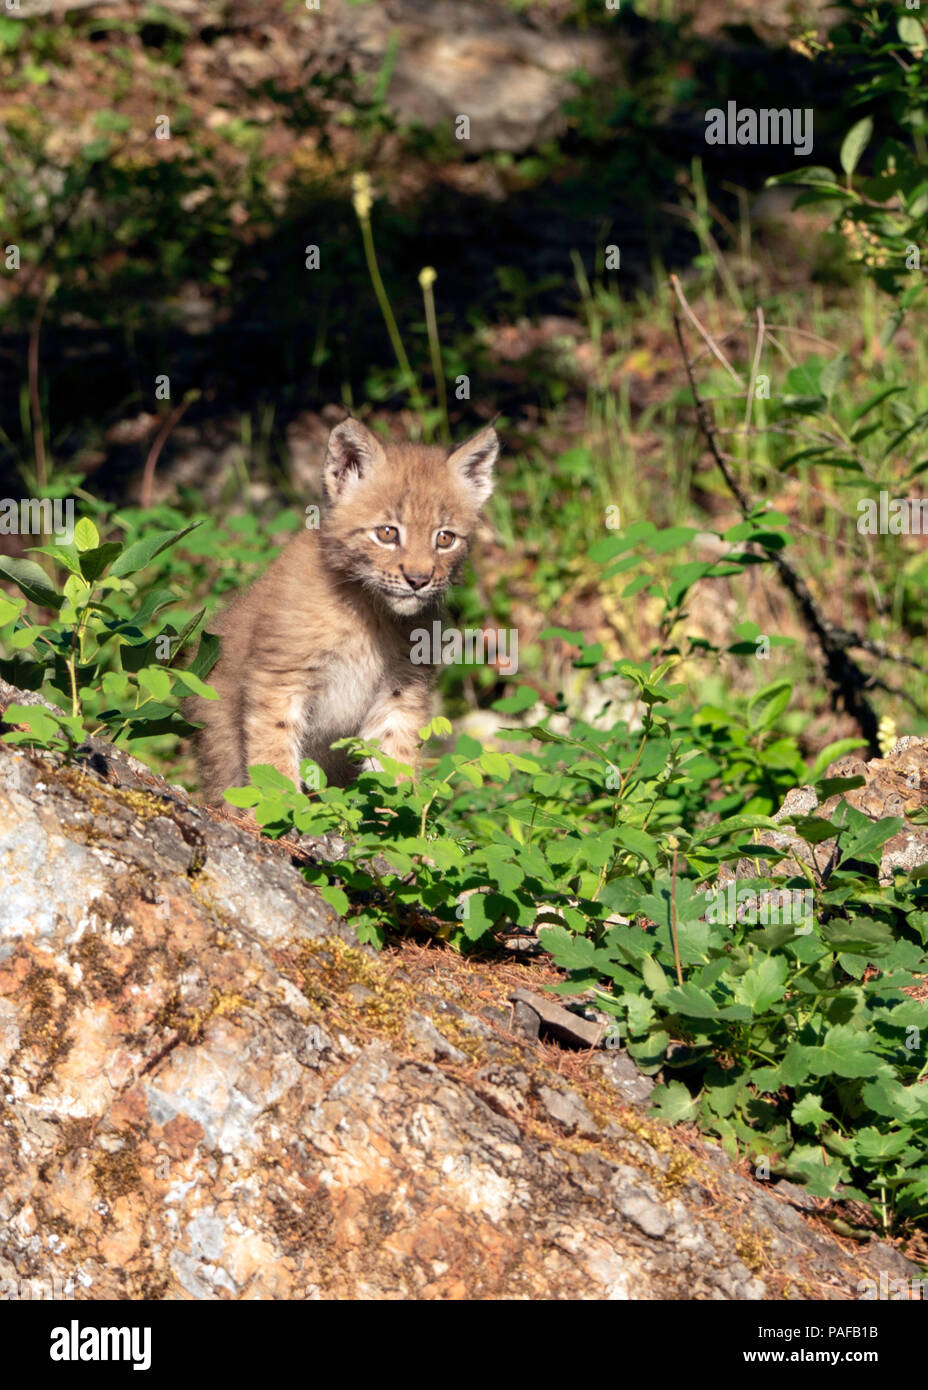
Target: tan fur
[{"x": 319, "y": 648}]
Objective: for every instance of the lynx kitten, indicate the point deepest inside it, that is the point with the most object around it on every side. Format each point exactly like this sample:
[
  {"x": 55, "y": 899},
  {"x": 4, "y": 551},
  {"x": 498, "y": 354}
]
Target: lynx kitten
[{"x": 319, "y": 648}]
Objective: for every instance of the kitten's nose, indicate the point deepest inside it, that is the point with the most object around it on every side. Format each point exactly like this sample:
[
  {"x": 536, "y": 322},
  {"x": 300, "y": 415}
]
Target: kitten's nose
[{"x": 416, "y": 581}]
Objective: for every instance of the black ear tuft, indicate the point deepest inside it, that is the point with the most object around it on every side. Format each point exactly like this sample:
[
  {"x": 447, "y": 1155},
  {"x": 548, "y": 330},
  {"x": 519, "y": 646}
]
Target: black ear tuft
[
  {"x": 474, "y": 462},
  {"x": 352, "y": 452}
]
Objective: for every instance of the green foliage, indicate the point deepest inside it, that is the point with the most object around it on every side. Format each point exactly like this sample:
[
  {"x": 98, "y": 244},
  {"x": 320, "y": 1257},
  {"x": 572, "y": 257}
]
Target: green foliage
[
  {"x": 882, "y": 213},
  {"x": 784, "y": 1043},
  {"x": 95, "y": 654}
]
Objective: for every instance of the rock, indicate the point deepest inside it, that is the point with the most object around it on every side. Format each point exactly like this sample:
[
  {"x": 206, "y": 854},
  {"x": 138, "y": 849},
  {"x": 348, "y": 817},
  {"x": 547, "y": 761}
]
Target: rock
[
  {"x": 894, "y": 786},
  {"x": 621, "y": 1072},
  {"x": 208, "y": 1090},
  {"x": 649, "y": 1217},
  {"x": 463, "y": 59},
  {"x": 422, "y": 1030},
  {"x": 526, "y": 1021},
  {"x": 559, "y": 1022},
  {"x": 567, "y": 1109}
]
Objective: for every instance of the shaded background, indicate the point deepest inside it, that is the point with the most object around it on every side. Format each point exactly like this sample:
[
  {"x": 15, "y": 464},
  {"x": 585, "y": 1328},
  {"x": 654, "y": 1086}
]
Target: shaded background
[{"x": 185, "y": 257}]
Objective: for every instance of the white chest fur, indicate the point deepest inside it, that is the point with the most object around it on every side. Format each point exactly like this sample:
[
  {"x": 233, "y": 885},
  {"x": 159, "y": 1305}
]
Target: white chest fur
[{"x": 345, "y": 688}]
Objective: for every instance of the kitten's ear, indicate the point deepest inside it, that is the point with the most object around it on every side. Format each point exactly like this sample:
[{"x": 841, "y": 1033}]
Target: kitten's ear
[
  {"x": 351, "y": 454},
  {"x": 474, "y": 462}
]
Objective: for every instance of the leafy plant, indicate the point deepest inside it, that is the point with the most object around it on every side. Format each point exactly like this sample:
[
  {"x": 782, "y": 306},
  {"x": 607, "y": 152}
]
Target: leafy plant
[
  {"x": 97, "y": 658},
  {"x": 882, "y": 214},
  {"x": 790, "y": 1032}
]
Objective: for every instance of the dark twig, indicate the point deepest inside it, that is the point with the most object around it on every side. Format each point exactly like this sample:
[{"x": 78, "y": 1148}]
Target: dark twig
[{"x": 845, "y": 677}]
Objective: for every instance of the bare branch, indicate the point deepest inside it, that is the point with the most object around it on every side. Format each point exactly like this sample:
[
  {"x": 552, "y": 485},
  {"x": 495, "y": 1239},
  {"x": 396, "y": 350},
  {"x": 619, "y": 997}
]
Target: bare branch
[{"x": 844, "y": 676}]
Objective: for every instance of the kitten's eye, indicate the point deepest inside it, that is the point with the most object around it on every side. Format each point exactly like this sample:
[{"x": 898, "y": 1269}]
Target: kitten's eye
[
  {"x": 389, "y": 535},
  {"x": 445, "y": 540}
]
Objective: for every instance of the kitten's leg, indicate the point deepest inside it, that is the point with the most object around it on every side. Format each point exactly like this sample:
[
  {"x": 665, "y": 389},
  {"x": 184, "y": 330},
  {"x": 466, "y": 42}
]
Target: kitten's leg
[
  {"x": 218, "y": 744},
  {"x": 273, "y": 722},
  {"x": 394, "y": 720}
]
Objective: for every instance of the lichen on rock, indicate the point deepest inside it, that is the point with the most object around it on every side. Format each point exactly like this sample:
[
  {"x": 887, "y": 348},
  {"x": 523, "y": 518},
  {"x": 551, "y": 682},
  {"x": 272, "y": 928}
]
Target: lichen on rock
[{"x": 211, "y": 1091}]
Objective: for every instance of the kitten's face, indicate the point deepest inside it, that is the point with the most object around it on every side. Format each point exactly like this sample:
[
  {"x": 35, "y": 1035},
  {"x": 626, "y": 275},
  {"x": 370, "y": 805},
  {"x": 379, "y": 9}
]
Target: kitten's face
[{"x": 400, "y": 517}]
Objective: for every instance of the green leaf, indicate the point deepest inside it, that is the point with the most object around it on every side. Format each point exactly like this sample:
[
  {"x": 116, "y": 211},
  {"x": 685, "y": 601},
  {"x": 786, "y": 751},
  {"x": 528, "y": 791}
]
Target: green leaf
[
  {"x": 574, "y": 639},
  {"x": 77, "y": 590},
  {"x": 887, "y": 1097},
  {"x": 186, "y": 678},
  {"x": 879, "y": 1146},
  {"x": 766, "y": 706},
  {"x": 864, "y": 839},
  {"x": 439, "y": 727},
  {"x": 470, "y": 774},
  {"x": 524, "y": 698},
  {"x": 571, "y": 952},
  {"x": 141, "y": 553},
  {"x": 813, "y": 829},
  {"x": 653, "y": 976},
  {"x": 833, "y": 374},
  {"x": 43, "y": 724},
  {"x": 837, "y": 786},
  {"x": 673, "y": 1102},
  {"x": 649, "y": 1054},
  {"x": 272, "y": 810},
  {"x": 671, "y": 538},
  {"x": 86, "y": 535},
  {"x": 809, "y": 1112},
  {"x": 624, "y": 895},
  {"x": 66, "y": 555},
  {"x": 876, "y": 399},
  {"x": 495, "y": 765},
  {"x": 154, "y": 719},
  {"x": 94, "y": 562},
  {"x": 31, "y": 579},
  {"x": 639, "y": 842},
  {"x": 155, "y": 681},
  {"x": 335, "y": 897},
  {"x": 911, "y": 33},
  {"x": 792, "y": 1070},
  {"x": 268, "y": 779},
  {"x": 614, "y": 545},
  {"x": 861, "y": 935},
  {"x": 891, "y": 328},
  {"x": 479, "y": 919},
  {"x": 546, "y": 736},
  {"x": 207, "y": 655},
  {"x": 845, "y": 1052},
  {"x": 11, "y": 31},
  {"x": 854, "y": 144},
  {"x": 116, "y": 686},
  {"x": 24, "y": 637},
  {"x": 733, "y": 826},
  {"x": 640, "y": 1013},
  {"x": 832, "y": 752},
  {"x": 242, "y": 796},
  {"x": 177, "y": 643},
  {"x": 690, "y": 1000},
  {"x": 763, "y": 984},
  {"x": 807, "y": 1163},
  {"x": 508, "y": 876},
  {"x": 10, "y": 609},
  {"x": 153, "y": 601},
  {"x": 803, "y": 381}
]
